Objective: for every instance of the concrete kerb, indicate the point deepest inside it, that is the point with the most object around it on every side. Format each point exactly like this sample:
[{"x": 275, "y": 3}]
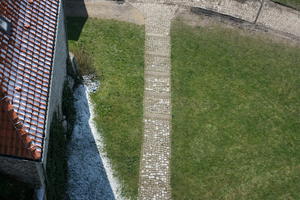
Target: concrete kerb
[
  {"x": 264, "y": 13},
  {"x": 280, "y": 18},
  {"x": 247, "y": 10}
]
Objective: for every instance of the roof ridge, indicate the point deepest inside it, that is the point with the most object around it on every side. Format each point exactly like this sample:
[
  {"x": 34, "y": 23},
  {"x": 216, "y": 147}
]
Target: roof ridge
[{"x": 18, "y": 125}]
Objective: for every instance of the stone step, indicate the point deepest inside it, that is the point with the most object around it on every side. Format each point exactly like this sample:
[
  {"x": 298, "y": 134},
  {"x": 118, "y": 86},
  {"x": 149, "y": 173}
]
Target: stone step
[
  {"x": 155, "y": 160},
  {"x": 156, "y": 105},
  {"x": 159, "y": 45},
  {"x": 162, "y": 126},
  {"x": 157, "y": 95},
  {"x": 158, "y": 37},
  {"x": 157, "y": 74},
  {"x": 156, "y": 54},
  {"x": 157, "y": 85},
  {"x": 149, "y": 34},
  {"x": 162, "y": 29},
  {"x": 157, "y": 116},
  {"x": 157, "y": 63}
]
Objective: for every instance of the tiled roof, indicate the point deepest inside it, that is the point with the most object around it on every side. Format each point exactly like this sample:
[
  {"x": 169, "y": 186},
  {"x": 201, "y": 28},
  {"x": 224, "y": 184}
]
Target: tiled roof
[
  {"x": 26, "y": 57},
  {"x": 10, "y": 142}
]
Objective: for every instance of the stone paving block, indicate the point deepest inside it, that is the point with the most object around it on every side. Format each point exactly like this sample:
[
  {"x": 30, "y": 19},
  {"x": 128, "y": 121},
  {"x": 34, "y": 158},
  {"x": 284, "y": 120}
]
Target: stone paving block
[
  {"x": 158, "y": 45},
  {"x": 155, "y": 175},
  {"x": 162, "y": 29},
  {"x": 280, "y": 18},
  {"x": 157, "y": 105},
  {"x": 157, "y": 85},
  {"x": 157, "y": 63}
]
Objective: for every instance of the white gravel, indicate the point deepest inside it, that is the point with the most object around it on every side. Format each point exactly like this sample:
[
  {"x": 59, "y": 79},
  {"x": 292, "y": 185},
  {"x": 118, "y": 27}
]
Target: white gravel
[
  {"x": 91, "y": 83},
  {"x": 90, "y": 173}
]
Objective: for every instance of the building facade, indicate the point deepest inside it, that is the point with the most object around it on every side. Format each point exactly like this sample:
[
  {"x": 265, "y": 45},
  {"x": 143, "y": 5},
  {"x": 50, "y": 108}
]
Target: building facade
[{"x": 33, "y": 55}]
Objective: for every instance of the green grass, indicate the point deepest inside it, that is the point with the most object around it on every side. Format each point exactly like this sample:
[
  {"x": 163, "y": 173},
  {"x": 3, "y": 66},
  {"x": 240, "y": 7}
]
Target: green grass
[
  {"x": 236, "y": 116},
  {"x": 292, "y": 3},
  {"x": 117, "y": 51}
]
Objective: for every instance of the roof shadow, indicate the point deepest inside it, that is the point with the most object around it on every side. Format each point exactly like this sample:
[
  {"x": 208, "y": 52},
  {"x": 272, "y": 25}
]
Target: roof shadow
[
  {"x": 12, "y": 189},
  {"x": 76, "y": 16},
  {"x": 74, "y": 27}
]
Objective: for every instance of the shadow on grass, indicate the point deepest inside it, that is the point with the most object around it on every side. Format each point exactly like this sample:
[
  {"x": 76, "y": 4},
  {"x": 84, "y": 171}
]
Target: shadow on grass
[
  {"x": 74, "y": 27},
  {"x": 76, "y": 9}
]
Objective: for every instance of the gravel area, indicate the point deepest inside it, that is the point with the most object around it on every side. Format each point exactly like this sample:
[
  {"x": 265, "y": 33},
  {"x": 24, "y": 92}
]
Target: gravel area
[{"x": 90, "y": 173}]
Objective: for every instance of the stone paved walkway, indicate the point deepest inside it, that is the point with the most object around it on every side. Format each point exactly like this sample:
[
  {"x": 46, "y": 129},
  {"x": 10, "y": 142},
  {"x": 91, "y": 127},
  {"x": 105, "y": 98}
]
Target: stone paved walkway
[{"x": 156, "y": 152}]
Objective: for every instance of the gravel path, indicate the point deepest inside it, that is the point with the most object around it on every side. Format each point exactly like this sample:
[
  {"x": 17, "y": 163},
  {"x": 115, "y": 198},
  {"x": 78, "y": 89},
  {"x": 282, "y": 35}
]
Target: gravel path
[
  {"x": 90, "y": 175},
  {"x": 156, "y": 151}
]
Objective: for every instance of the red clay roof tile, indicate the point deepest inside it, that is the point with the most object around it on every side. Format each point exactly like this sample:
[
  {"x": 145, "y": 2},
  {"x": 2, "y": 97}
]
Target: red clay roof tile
[{"x": 26, "y": 57}]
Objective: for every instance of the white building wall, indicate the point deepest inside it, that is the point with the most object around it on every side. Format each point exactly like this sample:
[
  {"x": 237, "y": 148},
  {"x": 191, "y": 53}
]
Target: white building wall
[
  {"x": 58, "y": 78},
  {"x": 33, "y": 172}
]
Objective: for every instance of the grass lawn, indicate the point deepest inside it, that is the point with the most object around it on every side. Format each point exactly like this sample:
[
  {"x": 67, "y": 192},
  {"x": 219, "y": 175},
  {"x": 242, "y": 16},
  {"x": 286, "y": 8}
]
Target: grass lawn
[
  {"x": 292, "y": 3},
  {"x": 236, "y": 116},
  {"x": 117, "y": 53}
]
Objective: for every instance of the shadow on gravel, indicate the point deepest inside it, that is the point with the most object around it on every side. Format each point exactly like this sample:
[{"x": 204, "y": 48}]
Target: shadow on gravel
[
  {"x": 12, "y": 189},
  {"x": 87, "y": 177}
]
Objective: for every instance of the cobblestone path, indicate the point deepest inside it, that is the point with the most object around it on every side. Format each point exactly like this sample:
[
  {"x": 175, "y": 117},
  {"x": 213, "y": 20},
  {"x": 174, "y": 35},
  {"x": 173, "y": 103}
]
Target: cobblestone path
[{"x": 156, "y": 151}]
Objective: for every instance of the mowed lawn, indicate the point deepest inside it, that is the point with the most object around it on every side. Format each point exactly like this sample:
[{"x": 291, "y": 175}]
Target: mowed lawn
[
  {"x": 236, "y": 116},
  {"x": 117, "y": 53}
]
